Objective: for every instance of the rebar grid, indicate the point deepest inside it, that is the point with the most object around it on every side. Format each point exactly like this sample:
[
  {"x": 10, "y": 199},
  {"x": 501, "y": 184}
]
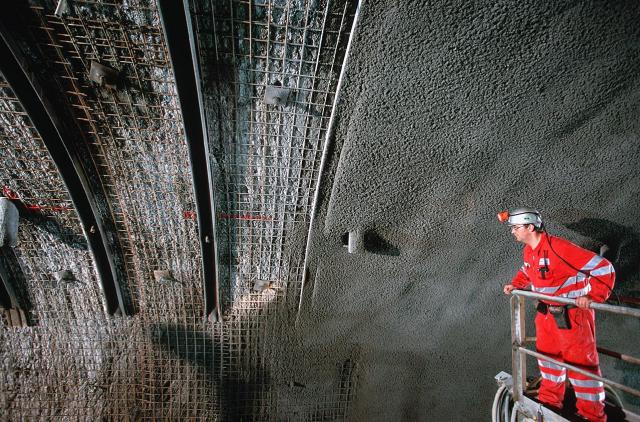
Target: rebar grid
[
  {"x": 25, "y": 159},
  {"x": 55, "y": 368},
  {"x": 48, "y": 218},
  {"x": 134, "y": 135},
  {"x": 166, "y": 363},
  {"x": 268, "y": 155},
  {"x": 266, "y": 164},
  {"x": 78, "y": 371}
]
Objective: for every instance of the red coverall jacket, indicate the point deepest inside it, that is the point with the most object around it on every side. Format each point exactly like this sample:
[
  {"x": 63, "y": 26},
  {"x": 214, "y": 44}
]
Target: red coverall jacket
[{"x": 547, "y": 272}]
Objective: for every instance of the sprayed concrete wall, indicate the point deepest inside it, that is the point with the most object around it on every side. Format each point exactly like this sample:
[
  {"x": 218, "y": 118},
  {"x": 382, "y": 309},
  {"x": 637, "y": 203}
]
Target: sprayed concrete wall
[{"x": 451, "y": 111}]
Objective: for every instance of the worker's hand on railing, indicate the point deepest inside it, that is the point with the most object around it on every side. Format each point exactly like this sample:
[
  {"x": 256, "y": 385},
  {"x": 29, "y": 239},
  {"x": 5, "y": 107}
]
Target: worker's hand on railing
[
  {"x": 508, "y": 289},
  {"x": 583, "y": 302}
]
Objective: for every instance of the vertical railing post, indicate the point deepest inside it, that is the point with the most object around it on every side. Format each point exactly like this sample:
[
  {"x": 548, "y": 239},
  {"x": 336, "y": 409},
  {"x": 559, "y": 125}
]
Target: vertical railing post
[{"x": 518, "y": 358}]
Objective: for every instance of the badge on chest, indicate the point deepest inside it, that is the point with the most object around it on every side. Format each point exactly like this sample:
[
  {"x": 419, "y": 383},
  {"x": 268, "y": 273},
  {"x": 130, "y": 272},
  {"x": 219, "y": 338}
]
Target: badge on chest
[{"x": 543, "y": 265}]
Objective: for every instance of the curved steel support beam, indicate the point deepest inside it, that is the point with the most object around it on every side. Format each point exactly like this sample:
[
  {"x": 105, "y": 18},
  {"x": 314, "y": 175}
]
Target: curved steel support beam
[
  {"x": 46, "y": 121},
  {"x": 323, "y": 161},
  {"x": 176, "y": 23}
]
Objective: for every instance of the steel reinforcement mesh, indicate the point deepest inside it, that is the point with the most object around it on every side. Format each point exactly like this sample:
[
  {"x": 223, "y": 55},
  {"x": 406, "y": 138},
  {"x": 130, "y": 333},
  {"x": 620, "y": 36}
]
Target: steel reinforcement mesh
[
  {"x": 134, "y": 134},
  {"x": 61, "y": 365},
  {"x": 267, "y": 156},
  {"x": 166, "y": 362},
  {"x": 53, "y": 231}
]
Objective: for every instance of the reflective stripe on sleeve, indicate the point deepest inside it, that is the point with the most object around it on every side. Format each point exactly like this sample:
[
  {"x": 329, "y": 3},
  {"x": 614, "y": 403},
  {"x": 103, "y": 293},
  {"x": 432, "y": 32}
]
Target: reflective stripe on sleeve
[
  {"x": 590, "y": 397},
  {"x": 573, "y": 280},
  {"x": 577, "y": 293},
  {"x": 571, "y": 295},
  {"x": 603, "y": 271},
  {"x": 544, "y": 289},
  {"x": 593, "y": 262},
  {"x": 586, "y": 383}
]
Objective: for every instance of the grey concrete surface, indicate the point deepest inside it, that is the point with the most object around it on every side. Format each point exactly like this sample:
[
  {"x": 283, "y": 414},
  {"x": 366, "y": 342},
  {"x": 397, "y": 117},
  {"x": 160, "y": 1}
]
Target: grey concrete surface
[{"x": 451, "y": 112}]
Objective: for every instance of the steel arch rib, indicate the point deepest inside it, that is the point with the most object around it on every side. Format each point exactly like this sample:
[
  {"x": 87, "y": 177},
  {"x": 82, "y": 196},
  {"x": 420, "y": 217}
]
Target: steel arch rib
[
  {"x": 48, "y": 124},
  {"x": 175, "y": 18}
]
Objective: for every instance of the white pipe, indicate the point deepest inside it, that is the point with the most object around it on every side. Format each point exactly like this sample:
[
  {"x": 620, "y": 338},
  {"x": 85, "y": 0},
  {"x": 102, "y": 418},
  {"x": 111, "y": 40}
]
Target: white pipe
[
  {"x": 514, "y": 414},
  {"x": 325, "y": 150},
  {"x": 497, "y": 399},
  {"x": 352, "y": 245}
]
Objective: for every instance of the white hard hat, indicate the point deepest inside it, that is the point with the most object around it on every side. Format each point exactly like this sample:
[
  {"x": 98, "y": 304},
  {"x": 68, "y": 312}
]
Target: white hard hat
[{"x": 525, "y": 215}]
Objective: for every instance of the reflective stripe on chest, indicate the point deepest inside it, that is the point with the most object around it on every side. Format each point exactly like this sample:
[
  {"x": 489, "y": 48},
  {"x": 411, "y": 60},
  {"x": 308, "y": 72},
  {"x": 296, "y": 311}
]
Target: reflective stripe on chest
[{"x": 579, "y": 280}]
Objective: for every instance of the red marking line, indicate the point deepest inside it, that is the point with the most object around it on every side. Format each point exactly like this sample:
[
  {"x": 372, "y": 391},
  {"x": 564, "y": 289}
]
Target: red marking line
[
  {"x": 191, "y": 215},
  {"x": 6, "y": 190},
  {"x": 54, "y": 208},
  {"x": 245, "y": 217},
  {"x": 9, "y": 194}
]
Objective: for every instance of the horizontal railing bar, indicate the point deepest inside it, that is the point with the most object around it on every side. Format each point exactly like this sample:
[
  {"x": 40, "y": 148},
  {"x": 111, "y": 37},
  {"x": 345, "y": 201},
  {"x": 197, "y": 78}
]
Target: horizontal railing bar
[
  {"x": 621, "y": 310},
  {"x": 618, "y": 355},
  {"x": 581, "y": 371},
  {"x": 612, "y": 353}
]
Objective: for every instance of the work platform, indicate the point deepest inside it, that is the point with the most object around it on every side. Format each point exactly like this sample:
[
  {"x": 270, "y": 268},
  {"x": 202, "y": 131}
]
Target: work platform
[{"x": 515, "y": 399}]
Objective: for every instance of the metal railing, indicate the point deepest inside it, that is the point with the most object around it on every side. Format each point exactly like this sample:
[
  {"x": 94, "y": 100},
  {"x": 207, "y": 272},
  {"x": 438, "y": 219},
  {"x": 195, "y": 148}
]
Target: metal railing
[{"x": 518, "y": 339}]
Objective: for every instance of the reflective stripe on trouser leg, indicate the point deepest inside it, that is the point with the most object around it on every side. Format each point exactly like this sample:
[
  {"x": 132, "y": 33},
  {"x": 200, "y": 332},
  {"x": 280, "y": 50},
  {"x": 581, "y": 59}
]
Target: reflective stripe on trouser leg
[
  {"x": 553, "y": 376},
  {"x": 580, "y": 350},
  {"x": 589, "y": 396},
  {"x": 551, "y": 371}
]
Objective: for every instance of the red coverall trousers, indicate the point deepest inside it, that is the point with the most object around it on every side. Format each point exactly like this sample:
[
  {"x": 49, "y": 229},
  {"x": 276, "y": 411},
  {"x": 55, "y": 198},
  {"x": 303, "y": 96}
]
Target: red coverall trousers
[{"x": 575, "y": 346}]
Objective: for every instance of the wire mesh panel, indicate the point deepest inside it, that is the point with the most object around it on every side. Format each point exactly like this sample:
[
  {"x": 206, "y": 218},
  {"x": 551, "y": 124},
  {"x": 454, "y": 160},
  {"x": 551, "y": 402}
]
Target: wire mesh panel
[
  {"x": 134, "y": 135},
  {"x": 50, "y": 236},
  {"x": 62, "y": 365},
  {"x": 166, "y": 362},
  {"x": 266, "y": 158}
]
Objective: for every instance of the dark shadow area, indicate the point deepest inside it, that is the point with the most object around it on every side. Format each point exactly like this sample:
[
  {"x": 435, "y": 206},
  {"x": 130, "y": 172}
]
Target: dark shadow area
[
  {"x": 630, "y": 377},
  {"x": 374, "y": 243},
  {"x": 53, "y": 227},
  {"x": 15, "y": 277},
  {"x": 623, "y": 252},
  {"x": 219, "y": 363},
  {"x": 345, "y": 239}
]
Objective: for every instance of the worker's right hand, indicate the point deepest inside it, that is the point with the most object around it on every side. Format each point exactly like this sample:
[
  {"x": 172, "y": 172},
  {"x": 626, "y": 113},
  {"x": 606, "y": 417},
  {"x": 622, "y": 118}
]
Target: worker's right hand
[{"x": 508, "y": 289}]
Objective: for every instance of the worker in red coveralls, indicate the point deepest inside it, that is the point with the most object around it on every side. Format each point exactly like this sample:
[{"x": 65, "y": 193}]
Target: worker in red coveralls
[{"x": 556, "y": 267}]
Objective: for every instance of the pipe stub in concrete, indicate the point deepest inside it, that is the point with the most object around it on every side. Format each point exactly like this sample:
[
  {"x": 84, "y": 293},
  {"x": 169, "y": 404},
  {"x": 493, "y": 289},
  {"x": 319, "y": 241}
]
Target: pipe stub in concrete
[{"x": 355, "y": 243}]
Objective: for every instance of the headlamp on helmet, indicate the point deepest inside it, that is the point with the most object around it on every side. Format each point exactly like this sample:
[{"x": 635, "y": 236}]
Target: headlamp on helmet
[{"x": 521, "y": 216}]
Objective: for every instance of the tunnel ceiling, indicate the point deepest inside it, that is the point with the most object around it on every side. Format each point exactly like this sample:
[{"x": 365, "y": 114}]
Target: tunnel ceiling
[{"x": 181, "y": 245}]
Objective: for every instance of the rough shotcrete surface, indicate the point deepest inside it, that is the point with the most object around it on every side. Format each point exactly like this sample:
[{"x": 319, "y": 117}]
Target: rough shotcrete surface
[{"x": 452, "y": 111}]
